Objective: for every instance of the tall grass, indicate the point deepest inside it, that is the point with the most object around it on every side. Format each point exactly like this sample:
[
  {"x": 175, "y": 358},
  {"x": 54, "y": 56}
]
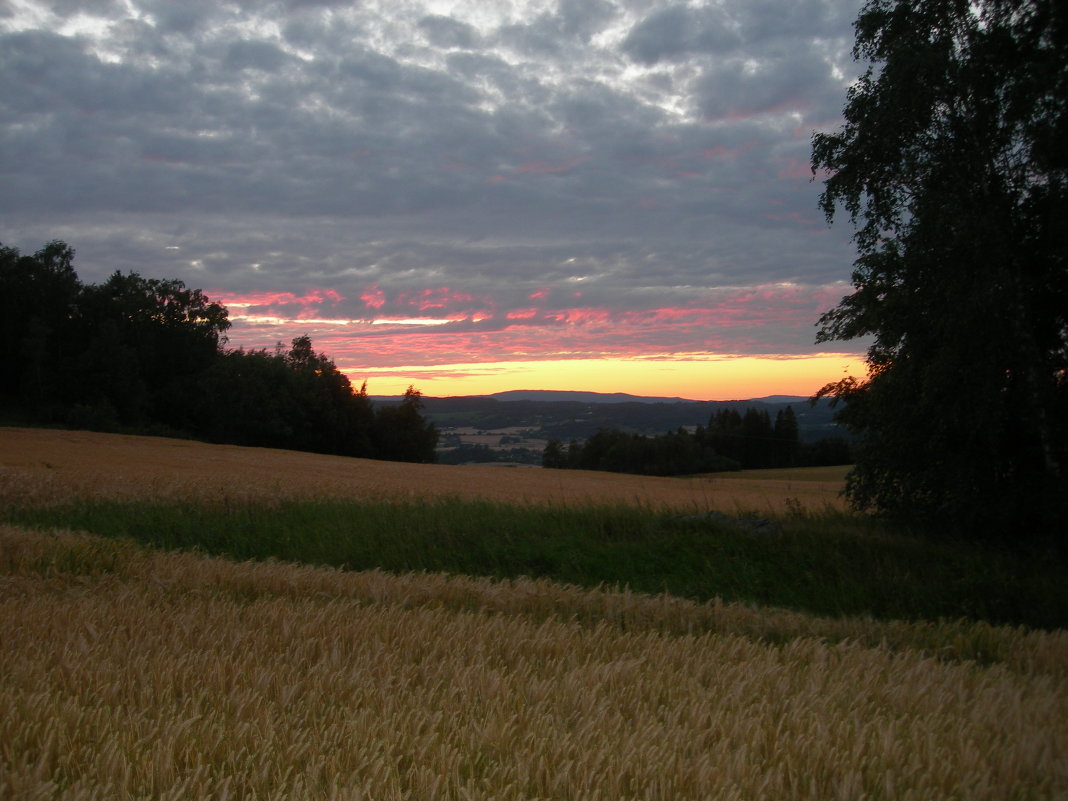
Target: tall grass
[{"x": 829, "y": 564}]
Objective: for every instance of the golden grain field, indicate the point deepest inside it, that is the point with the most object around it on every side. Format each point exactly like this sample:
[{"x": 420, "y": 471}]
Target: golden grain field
[
  {"x": 54, "y": 464},
  {"x": 128, "y": 673}
]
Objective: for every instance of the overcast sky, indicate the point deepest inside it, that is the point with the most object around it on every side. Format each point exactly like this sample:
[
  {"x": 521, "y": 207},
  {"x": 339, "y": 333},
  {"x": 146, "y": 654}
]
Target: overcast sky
[{"x": 438, "y": 187}]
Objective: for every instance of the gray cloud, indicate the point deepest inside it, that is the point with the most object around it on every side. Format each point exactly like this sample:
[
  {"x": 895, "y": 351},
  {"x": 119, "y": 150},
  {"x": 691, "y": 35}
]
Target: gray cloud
[
  {"x": 678, "y": 32},
  {"x": 623, "y": 155},
  {"x": 446, "y": 32}
]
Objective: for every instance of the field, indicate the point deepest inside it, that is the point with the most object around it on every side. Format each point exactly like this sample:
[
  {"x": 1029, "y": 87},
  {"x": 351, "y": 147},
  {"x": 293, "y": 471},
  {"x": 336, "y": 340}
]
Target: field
[
  {"x": 507, "y": 437},
  {"x": 108, "y": 465},
  {"x": 135, "y": 672}
]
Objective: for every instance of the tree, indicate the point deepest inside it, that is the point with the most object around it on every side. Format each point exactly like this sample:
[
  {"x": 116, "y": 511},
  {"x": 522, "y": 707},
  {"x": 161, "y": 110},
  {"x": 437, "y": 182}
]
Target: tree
[
  {"x": 334, "y": 418},
  {"x": 295, "y": 399},
  {"x": 161, "y": 335},
  {"x": 554, "y": 455},
  {"x": 787, "y": 438},
  {"x": 953, "y": 168},
  {"x": 401, "y": 432},
  {"x": 146, "y": 354},
  {"x": 38, "y": 298}
]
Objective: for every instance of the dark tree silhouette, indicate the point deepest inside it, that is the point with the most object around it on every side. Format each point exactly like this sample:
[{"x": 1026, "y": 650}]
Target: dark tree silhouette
[
  {"x": 38, "y": 299},
  {"x": 147, "y": 355},
  {"x": 402, "y": 434},
  {"x": 146, "y": 340},
  {"x": 953, "y": 168}
]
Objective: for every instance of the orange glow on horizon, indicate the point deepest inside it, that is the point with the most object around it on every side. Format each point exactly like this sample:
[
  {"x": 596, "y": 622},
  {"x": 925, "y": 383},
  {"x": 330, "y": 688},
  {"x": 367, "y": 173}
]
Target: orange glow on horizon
[
  {"x": 447, "y": 342},
  {"x": 691, "y": 376}
]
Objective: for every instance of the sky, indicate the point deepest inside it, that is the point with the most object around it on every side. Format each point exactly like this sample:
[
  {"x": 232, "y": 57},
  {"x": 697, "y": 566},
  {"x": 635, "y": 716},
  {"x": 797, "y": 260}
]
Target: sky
[{"x": 468, "y": 196}]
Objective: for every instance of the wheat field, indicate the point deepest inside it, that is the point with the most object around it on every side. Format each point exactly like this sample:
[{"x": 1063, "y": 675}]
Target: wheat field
[
  {"x": 127, "y": 673},
  {"x": 56, "y": 464}
]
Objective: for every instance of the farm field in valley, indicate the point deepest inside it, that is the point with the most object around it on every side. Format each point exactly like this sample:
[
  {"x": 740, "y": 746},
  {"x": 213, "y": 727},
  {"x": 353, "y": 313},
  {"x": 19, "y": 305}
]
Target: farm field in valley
[{"x": 134, "y": 672}]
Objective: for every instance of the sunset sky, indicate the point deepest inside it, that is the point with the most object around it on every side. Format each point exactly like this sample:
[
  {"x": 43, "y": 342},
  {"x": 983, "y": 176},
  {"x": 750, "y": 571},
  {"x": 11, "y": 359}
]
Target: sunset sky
[{"x": 465, "y": 195}]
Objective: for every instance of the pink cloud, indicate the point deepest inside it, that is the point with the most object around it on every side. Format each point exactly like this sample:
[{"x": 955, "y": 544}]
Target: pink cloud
[
  {"x": 437, "y": 298},
  {"x": 272, "y": 300},
  {"x": 522, "y": 314},
  {"x": 580, "y": 316},
  {"x": 736, "y": 320},
  {"x": 373, "y": 297},
  {"x": 669, "y": 315}
]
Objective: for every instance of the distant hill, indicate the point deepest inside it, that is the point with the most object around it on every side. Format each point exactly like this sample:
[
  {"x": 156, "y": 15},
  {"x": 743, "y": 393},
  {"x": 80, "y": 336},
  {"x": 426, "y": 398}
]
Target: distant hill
[
  {"x": 787, "y": 399},
  {"x": 557, "y": 396},
  {"x": 551, "y": 414}
]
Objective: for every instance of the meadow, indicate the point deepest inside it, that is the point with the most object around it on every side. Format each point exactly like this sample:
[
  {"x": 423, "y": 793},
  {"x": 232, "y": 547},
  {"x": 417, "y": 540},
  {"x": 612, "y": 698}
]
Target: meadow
[{"x": 248, "y": 653}]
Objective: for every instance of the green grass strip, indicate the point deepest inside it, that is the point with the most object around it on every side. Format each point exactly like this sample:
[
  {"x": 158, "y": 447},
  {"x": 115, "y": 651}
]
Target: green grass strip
[{"x": 830, "y": 564}]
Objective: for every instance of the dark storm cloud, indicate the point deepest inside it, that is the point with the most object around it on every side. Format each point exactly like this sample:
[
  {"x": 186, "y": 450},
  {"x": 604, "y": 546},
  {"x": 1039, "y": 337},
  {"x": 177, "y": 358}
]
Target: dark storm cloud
[{"x": 615, "y": 155}]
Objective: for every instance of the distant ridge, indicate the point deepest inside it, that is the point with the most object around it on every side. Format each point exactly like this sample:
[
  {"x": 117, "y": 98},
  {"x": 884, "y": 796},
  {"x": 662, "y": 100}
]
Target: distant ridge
[
  {"x": 556, "y": 395},
  {"x": 781, "y": 399}
]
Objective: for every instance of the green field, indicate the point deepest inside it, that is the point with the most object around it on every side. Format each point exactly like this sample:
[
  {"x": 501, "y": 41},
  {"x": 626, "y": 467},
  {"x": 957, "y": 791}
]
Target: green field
[{"x": 828, "y": 563}]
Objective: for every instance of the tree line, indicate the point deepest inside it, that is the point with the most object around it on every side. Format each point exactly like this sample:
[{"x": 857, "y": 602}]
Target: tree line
[
  {"x": 730, "y": 441},
  {"x": 148, "y": 355}
]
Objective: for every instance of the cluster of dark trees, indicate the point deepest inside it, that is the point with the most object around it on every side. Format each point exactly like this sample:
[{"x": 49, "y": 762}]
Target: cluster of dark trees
[
  {"x": 751, "y": 439},
  {"x": 731, "y": 441},
  {"x": 146, "y": 355},
  {"x": 674, "y": 453},
  {"x": 952, "y": 166},
  {"x": 755, "y": 442}
]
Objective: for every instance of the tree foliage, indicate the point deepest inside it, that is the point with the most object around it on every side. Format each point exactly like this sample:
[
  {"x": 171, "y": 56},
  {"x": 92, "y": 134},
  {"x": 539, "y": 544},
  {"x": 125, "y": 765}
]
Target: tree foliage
[
  {"x": 295, "y": 399},
  {"x": 144, "y": 354},
  {"x": 147, "y": 340},
  {"x": 402, "y": 432},
  {"x": 674, "y": 453},
  {"x": 38, "y": 297},
  {"x": 952, "y": 165},
  {"x": 752, "y": 440}
]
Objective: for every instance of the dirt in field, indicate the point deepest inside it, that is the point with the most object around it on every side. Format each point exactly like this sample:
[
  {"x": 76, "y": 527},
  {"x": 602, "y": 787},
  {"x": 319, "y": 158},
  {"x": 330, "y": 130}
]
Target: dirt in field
[{"x": 53, "y": 465}]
